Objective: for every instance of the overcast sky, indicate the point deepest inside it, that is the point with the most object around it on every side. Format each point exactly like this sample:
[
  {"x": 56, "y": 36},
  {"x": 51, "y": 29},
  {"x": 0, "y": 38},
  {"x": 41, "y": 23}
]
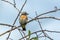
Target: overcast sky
[{"x": 8, "y": 14}]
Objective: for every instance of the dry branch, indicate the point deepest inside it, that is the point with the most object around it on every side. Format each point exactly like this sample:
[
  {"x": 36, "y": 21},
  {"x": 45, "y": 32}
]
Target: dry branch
[
  {"x": 49, "y": 12},
  {"x": 17, "y": 17},
  {"x": 41, "y": 31},
  {"x": 14, "y": 5},
  {"x": 36, "y": 18},
  {"x": 9, "y": 31},
  {"x": 6, "y": 25},
  {"x": 43, "y": 18}
]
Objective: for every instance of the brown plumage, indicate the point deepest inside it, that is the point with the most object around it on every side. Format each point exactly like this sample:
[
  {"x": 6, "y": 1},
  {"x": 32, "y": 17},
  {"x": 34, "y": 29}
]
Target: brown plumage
[{"x": 23, "y": 20}]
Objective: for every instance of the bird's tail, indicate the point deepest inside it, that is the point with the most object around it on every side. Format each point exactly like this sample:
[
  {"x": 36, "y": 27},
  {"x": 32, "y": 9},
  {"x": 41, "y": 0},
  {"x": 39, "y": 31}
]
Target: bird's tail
[{"x": 23, "y": 27}]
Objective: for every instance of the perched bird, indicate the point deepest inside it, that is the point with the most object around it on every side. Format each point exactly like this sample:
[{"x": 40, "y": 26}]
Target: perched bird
[{"x": 23, "y": 20}]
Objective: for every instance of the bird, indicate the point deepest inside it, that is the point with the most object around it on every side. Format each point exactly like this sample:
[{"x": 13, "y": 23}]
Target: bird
[{"x": 23, "y": 20}]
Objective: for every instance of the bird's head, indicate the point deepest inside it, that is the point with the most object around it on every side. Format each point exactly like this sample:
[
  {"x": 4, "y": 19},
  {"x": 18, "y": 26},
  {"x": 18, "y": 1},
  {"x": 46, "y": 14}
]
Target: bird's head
[{"x": 24, "y": 13}]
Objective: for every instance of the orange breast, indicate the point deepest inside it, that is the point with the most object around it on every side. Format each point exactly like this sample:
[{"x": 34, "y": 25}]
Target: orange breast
[{"x": 23, "y": 17}]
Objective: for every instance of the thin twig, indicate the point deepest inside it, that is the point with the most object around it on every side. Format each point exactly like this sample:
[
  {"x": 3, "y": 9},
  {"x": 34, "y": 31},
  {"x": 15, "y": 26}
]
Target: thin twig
[
  {"x": 22, "y": 32},
  {"x": 40, "y": 34},
  {"x": 31, "y": 33},
  {"x": 36, "y": 35},
  {"x": 17, "y": 9},
  {"x": 37, "y": 18},
  {"x": 43, "y": 18},
  {"x": 7, "y": 2},
  {"x": 45, "y": 14},
  {"x": 48, "y": 12},
  {"x": 17, "y": 17},
  {"x": 18, "y": 29},
  {"x": 20, "y": 12},
  {"x": 45, "y": 34},
  {"x": 14, "y": 5},
  {"x": 34, "y": 19},
  {"x": 52, "y": 31},
  {"x": 41, "y": 31},
  {"x": 49, "y": 17},
  {"x": 40, "y": 26},
  {"x": 6, "y": 25},
  {"x": 48, "y": 36},
  {"x": 9, "y": 30}
]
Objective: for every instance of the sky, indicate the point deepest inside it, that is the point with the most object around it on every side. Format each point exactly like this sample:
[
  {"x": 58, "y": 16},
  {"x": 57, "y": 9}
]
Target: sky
[{"x": 8, "y": 14}]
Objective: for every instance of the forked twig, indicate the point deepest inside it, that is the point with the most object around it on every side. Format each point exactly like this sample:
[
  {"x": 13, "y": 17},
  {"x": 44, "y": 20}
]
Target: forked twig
[{"x": 17, "y": 17}]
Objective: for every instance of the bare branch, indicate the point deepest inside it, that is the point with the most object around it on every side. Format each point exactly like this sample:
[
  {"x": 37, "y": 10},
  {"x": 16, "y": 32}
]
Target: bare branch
[
  {"x": 48, "y": 12},
  {"x": 7, "y": 2},
  {"x": 14, "y": 5},
  {"x": 40, "y": 31},
  {"x": 17, "y": 17},
  {"x": 50, "y": 17},
  {"x": 40, "y": 26},
  {"x": 36, "y": 35},
  {"x": 22, "y": 32},
  {"x": 45, "y": 34},
  {"x": 20, "y": 12},
  {"x": 32, "y": 19},
  {"x": 9, "y": 31},
  {"x": 6, "y": 25},
  {"x": 16, "y": 8},
  {"x": 43, "y": 18},
  {"x": 52, "y": 31},
  {"x": 49, "y": 37},
  {"x": 37, "y": 18}
]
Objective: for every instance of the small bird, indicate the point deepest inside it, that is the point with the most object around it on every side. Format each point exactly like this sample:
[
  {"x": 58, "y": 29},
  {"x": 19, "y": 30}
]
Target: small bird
[{"x": 23, "y": 20}]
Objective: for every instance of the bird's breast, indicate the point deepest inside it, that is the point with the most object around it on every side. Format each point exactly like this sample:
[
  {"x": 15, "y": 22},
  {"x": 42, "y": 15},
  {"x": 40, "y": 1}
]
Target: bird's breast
[{"x": 24, "y": 17}]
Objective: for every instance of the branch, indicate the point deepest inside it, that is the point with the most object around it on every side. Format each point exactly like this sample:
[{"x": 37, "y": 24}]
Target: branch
[
  {"x": 7, "y": 2},
  {"x": 43, "y": 18},
  {"x": 6, "y": 25},
  {"x": 40, "y": 31},
  {"x": 56, "y": 9},
  {"x": 48, "y": 12},
  {"x": 20, "y": 12},
  {"x": 52, "y": 31},
  {"x": 9, "y": 31},
  {"x": 16, "y": 8},
  {"x": 14, "y": 5},
  {"x": 34, "y": 19},
  {"x": 17, "y": 17},
  {"x": 40, "y": 26},
  {"x": 49, "y": 17},
  {"x": 21, "y": 33},
  {"x": 31, "y": 33}
]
